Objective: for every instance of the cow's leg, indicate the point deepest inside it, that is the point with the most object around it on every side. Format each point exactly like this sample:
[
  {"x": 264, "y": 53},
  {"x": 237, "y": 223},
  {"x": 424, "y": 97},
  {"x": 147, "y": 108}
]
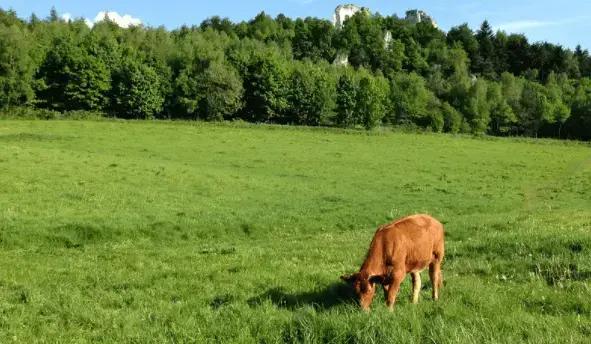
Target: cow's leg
[
  {"x": 436, "y": 280},
  {"x": 397, "y": 278},
  {"x": 416, "y": 286},
  {"x": 435, "y": 269}
]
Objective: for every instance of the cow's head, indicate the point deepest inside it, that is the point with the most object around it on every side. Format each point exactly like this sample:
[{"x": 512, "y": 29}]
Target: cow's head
[{"x": 364, "y": 286}]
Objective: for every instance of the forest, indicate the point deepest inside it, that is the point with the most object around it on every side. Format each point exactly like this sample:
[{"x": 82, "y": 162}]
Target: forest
[{"x": 281, "y": 70}]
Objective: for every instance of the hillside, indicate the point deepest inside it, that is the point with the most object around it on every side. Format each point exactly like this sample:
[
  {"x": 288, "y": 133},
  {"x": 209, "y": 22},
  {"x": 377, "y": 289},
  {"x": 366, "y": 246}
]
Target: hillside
[
  {"x": 389, "y": 72},
  {"x": 132, "y": 231}
]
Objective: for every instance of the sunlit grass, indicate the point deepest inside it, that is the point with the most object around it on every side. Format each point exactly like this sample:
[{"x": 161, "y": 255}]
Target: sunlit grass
[{"x": 178, "y": 232}]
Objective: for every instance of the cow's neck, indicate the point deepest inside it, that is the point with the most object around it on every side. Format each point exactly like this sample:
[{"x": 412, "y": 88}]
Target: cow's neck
[{"x": 374, "y": 264}]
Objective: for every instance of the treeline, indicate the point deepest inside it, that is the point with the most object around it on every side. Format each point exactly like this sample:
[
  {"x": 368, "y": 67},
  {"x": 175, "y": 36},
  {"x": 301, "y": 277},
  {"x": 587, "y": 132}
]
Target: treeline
[{"x": 280, "y": 70}]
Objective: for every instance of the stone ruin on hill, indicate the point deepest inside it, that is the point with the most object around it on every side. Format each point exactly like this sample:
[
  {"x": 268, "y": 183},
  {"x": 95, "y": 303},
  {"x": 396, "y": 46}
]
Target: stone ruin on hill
[
  {"x": 344, "y": 12},
  {"x": 417, "y": 16}
]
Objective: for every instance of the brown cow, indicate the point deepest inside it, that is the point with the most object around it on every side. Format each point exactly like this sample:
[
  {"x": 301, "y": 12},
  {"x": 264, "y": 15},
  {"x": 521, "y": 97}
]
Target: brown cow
[{"x": 407, "y": 245}]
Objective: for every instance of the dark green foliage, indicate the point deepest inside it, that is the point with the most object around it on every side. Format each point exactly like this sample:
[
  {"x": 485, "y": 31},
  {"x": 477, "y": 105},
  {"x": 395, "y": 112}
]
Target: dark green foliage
[
  {"x": 311, "y": 94},
  {"x": 478, "y": 106},
  {"x": 136, "y": 91},
  {"x": 362, "y": 38},
  {"x": 452, "y": 118},
  {"x": 412, "y": 102},
  {"x": 584, "y": 61},
  {"x": 313, "y": 39},
  {"x": 560, "y": 95},
  {"x": 517, "y": 53},
  {"x": 463, "y": 35},
  {"x": 277, "y": 70},
  {"x": 10, "y": 18},
  {"x": 218, "y": 24},
  {"x": 16, "y": 66},
  {"x": 484, "y": 61},
  {"x": 70, "y": 78},
  {"x": 205, "y": 86},
  {"x": 371, "y": 103},
  {"x": 393, "y": 58},
  {"x": 346, "y": 102},
  {"x": 266, "y": 87},
  {"x": 580, "y": 121},
  {"x": 221, "y": 90},
  {"x": 502, "y": 115},
  {"x": 536, "y": 108},
  {"x": 266, "y": 29}
]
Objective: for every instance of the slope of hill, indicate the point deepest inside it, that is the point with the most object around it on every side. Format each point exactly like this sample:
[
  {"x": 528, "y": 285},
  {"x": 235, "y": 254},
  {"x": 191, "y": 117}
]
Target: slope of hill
[
  {"x": 400, "y": 72},
  {"x": 195, "y": 232}
]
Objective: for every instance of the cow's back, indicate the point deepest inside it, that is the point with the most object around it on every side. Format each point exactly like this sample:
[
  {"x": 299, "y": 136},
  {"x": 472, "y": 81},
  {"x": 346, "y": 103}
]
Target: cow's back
[{"x": 416, "y": 240}]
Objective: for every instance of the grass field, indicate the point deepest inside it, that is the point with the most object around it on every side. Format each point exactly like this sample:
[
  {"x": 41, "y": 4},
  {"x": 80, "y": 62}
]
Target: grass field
[{"x": 178, "y": 233}]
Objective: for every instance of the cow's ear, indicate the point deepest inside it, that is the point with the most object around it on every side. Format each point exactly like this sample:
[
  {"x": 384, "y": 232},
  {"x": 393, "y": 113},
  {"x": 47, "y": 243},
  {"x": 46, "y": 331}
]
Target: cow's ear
[
  {"x": 376, "y": 279},
  {"x": 349, "y": 278}
]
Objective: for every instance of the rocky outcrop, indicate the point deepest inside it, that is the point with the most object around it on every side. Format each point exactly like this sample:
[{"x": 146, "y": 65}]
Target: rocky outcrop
[
  {"x": 387, "y": 39},
  {"x": 342, "y": 59},
  {"x": 344, "y": 12},
  {"x": 418, "y": 16}
]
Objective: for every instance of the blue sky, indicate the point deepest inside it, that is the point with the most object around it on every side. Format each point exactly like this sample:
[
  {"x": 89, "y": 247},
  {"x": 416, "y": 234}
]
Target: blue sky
[{"x": 565, "y": 22}]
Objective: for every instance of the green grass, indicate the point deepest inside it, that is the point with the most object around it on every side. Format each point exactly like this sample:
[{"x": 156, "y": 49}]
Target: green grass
[{"x": 176, "y": 232}]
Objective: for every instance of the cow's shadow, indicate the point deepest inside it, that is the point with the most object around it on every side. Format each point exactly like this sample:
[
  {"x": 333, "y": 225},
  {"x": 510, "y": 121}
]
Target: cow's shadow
[{"x": 322, "y": 299}]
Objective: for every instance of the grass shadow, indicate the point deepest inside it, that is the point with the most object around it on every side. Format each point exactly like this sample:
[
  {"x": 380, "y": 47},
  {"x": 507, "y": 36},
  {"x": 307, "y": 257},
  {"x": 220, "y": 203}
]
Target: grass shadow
[{"x": 326, "y": 298}]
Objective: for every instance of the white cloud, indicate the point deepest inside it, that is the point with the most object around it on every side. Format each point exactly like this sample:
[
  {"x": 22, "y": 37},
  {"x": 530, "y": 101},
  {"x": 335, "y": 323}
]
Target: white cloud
[
  {"x": 67, "y": 17},
  {"x": 303, "y": 2},
  {"x": 123, "y": 21},
  {"x": 520, "y": 25}
]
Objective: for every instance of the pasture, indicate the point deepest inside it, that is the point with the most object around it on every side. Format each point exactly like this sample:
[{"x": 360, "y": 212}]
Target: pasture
[{"x": 165, "y": 232}]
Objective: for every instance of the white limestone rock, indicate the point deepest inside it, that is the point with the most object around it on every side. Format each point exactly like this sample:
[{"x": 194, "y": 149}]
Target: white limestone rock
[
  {"x": 344, "y": 12},
  {"x": 418, "y": 16}
]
